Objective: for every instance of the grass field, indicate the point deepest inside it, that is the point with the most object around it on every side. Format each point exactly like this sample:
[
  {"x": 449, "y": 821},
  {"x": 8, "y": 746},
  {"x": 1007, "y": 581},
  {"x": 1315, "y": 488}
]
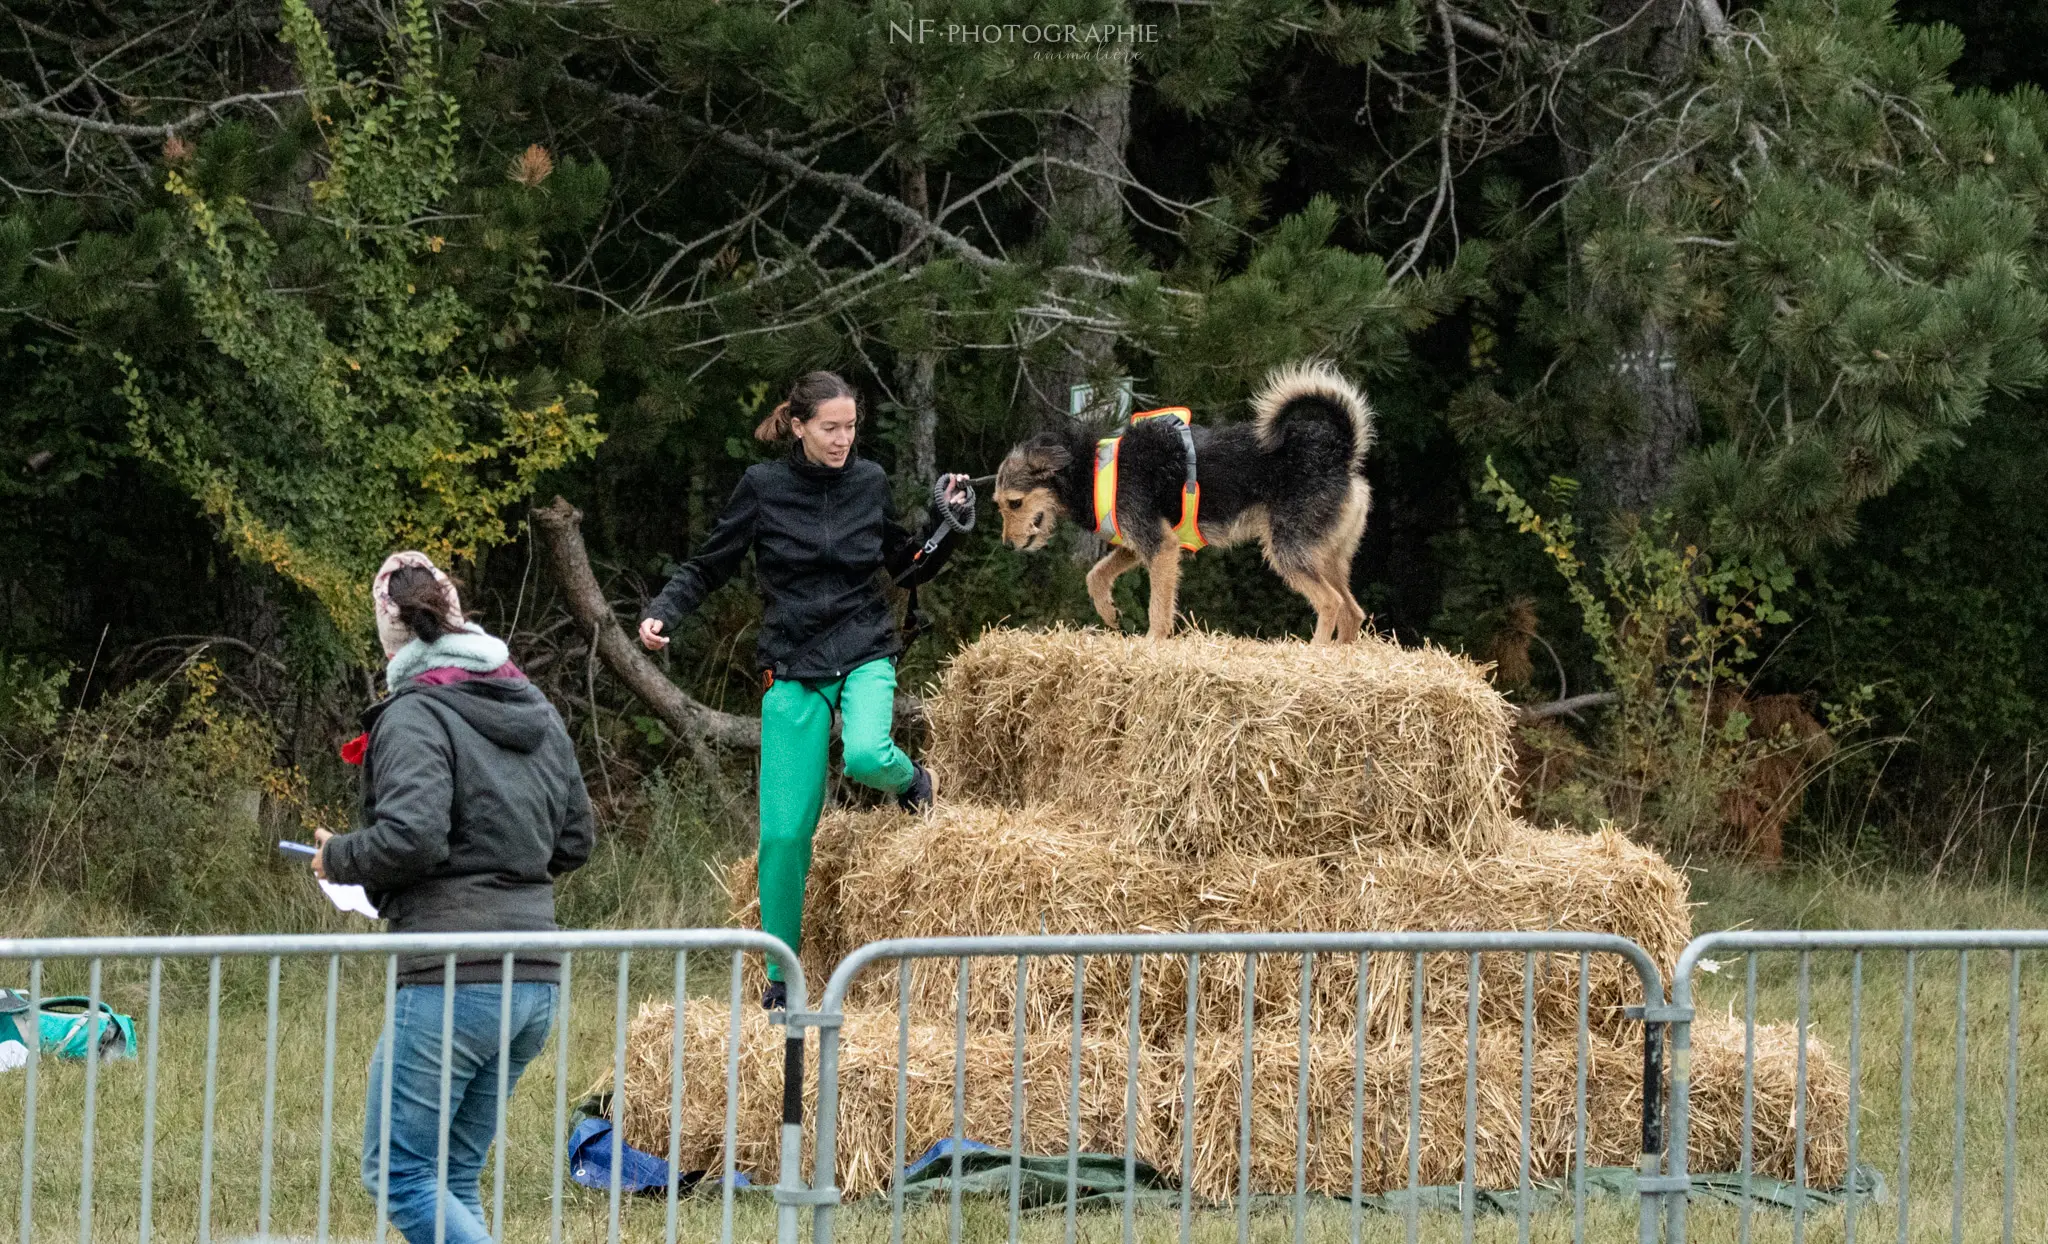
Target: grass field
[{"x": 237, "y": 1207}]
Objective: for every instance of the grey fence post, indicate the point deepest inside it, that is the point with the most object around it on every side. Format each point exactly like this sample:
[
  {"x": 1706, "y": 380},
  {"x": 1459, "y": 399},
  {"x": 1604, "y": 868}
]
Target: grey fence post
[
  {"x": 1857, "y": 942},
  {"x": 1193, "y": 947}
]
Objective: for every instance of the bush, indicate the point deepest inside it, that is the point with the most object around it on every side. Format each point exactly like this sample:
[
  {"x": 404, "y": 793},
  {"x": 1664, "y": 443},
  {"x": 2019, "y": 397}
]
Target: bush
[{"x": 160, "y": 801}]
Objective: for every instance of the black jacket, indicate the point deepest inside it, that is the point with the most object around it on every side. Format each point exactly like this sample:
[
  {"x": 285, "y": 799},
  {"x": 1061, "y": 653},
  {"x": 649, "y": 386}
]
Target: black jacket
[
  {"x": 472, "y": 805},
  {"x": 818, "y": 534}
]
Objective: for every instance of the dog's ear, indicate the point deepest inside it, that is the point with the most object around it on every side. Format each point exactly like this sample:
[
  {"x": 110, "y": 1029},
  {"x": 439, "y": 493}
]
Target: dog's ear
[{"x": 1046, "y": 457}]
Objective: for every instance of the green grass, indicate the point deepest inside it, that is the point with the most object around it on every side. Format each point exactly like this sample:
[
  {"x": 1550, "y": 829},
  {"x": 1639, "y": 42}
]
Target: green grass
[{"x": 1812, "y": 897}]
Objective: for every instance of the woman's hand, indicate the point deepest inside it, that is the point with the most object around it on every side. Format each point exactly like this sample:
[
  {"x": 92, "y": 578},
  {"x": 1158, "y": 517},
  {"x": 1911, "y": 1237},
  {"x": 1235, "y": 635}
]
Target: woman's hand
[
  {"x": 958, "y": 490},
  {"x": 320, "y": 837},
  {"x": 651, "y": 637}
]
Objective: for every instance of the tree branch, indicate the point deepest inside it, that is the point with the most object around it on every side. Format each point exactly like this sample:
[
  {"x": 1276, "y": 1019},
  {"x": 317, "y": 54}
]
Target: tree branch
[
  {"x": 561, "y": 527},
  {"x": 1567, "y": 706},
  {"x": 124, "y": 130}
]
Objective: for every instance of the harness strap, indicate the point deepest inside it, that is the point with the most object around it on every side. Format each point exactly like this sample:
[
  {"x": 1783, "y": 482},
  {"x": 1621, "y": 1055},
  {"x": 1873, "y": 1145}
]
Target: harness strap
[{"x": 1189, "y": 530}]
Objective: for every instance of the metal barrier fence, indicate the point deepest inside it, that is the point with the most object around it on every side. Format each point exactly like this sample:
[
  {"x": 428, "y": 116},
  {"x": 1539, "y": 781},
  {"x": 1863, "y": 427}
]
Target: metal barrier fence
[
  {"x": 160, "y": 978},
  {"x": 1174, "y": 956},
  {"x": 1881, "y": 1036}
]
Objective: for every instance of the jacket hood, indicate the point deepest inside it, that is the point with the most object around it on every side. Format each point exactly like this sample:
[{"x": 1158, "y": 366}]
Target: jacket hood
[{"x": 510, "y": 712}]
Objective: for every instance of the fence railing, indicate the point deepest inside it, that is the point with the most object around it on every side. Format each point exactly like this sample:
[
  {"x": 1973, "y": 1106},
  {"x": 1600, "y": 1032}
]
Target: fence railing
[
  {"x": 1196, "y": 1060},
  {"x": 1882, "y": 989},
  {"x": 1225, "y": 1074},
  {"x": 177, "y": 983}
]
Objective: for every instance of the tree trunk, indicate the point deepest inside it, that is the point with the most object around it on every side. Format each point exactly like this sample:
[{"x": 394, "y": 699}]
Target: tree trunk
[
  {"x": 1088, "y": 202},
  {"x": 917, "y": 371},
  {"x": 1657, "y": 43}
]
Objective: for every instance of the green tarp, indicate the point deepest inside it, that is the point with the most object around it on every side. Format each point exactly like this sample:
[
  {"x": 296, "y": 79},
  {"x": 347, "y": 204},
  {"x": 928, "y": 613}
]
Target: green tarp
[{"x": 1099, "y": 1180}]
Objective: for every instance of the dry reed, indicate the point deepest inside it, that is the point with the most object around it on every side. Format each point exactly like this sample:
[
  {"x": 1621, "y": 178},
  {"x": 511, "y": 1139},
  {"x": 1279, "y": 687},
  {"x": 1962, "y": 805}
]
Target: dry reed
[
  {"x": 868, "y": 1094},
  {"x": 1206, "y": 744}
]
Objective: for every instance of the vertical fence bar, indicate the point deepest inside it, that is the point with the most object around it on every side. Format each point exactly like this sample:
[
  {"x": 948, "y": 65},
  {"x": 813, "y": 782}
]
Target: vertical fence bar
[
  {"x": 564, "y": 1027},
  {"x": 498, "y": 1139},
  {"x": 269, "y": 1096},
  {"x": 1748, "y": 1160},
  {"x": 1413, "y": 1223},
  {"x": 1074, "y": 1096},
  {"x": 897, "y": 1127},
  {"x": 1358, "y": 1100},
  {"x": 1244, "y": 1106},
  {"x": 1962, "y": 1092},
  {"x": 2012, "y": 1095},
  {"x": 154, "y": 1014},
  {"x": 444, "y": 1124},
  {"x": 1906, "y": 1105},
  {"x": 92, "y": 1087},
  {"x": 1017, "y": 1022},
  {"x": 207, "y": 1106},
  {"x": 1849, "y": 1203},
  {"x": 1579, "y": 1099},
  {"x": 28, "y": 1109},
  {"x": 1468, "y": 1189},
  {"x": 675, "y": 1099},
  {"x": 953, "y": 1218},
  {"x": 621, "y": 994},
  {"x": 1187, "y": 1109},
  {"x": 390, "y": 1040},
  {"x": 323, "y": 1220},
  {"x": 1301, "y": 1105},
  {"x": 1130, "y": 1223},
  {"x": 732, "y": 1098},
  {"x": 1799, "y": 1099},
  {"x": 1523, "y": 1188}
]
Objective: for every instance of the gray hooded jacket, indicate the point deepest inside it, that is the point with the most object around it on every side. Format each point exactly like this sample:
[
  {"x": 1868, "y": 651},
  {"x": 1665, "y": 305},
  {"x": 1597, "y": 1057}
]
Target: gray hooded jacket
[{"x": 472, "y": 805}]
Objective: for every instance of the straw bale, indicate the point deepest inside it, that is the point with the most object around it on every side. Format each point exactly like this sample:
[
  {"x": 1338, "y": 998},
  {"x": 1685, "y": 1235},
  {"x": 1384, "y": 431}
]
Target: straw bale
[
  {"x": 868, "y": 1087},
  {"x": 1205, "y": 744},
  {"x": 968, "y": 870},
  {"x": 1536, "y": 881}
]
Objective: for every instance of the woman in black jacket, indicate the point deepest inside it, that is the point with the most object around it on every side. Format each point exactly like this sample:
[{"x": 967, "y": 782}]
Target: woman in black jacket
[{"x": 820, "y": 524}]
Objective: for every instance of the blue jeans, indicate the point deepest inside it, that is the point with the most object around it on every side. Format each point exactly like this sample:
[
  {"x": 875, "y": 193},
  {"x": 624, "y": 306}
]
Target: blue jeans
[{"x": 472, "y": 1101}]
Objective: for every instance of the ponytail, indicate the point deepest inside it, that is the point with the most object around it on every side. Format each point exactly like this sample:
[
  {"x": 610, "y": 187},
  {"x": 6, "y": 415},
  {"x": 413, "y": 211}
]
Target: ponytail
[
  {"x": 810, "y": 391},
  {"x": 776, "y": 426}
]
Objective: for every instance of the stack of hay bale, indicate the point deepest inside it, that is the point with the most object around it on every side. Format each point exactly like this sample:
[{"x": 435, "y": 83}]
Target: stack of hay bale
[{"x": 1091, "y": 783}]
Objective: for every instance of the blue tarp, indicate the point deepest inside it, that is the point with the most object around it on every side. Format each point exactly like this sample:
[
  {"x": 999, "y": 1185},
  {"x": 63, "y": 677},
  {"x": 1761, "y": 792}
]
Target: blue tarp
[{"x": 590, "y": 1164}]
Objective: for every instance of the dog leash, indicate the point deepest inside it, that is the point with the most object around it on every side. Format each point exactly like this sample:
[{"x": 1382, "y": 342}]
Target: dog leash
[{"x": 915, "y": 623}]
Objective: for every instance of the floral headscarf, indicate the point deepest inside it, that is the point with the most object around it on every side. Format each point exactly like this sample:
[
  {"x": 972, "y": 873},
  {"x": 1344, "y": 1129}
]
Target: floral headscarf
[{"x": 391, "y": 632}]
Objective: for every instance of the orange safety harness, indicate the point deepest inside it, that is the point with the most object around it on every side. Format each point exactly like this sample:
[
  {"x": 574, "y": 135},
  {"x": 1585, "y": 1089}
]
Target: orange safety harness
[{"x": 1189, "y": 530}]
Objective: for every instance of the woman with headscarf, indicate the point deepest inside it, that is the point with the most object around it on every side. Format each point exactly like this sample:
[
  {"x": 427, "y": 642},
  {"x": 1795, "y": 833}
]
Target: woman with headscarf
[
  {"x": 820, "y": 523},
  {"x": 473, "y": 804}
]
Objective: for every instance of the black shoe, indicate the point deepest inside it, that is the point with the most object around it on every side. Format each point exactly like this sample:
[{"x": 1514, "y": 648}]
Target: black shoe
[
  {"x": 776, "y": 998},
  {"x": 918, "y": 797}
]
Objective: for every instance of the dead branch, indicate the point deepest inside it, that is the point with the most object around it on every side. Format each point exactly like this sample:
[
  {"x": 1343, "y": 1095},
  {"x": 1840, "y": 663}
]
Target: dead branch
[{"x": 561, "y": 526}]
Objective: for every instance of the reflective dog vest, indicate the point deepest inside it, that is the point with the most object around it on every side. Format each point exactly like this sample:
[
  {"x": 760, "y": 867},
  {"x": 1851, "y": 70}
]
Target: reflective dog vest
[{"x": 1189, "y": 530}]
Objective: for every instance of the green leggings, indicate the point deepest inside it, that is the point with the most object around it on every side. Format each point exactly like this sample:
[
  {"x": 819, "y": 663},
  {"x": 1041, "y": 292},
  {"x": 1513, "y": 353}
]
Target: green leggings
[{"x": 796, "y": 740}]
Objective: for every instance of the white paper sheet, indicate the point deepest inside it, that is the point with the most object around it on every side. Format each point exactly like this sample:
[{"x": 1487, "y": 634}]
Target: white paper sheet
[{"x": 348, "y": 898}]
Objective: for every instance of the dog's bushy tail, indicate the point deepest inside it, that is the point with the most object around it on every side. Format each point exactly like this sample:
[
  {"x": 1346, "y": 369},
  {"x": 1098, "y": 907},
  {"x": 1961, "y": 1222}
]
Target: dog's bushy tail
[{"x": 1313, "y": 391}]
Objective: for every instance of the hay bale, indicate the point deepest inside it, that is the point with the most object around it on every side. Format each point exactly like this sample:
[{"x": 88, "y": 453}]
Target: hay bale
[
  {"x": 969, "y": 870},
  {"x": 1206, "y": 744},
  {"x": 868, "y": 1089},
  {"x": 868, "y": 1073},
  {"x": 1534, "y": 881}
]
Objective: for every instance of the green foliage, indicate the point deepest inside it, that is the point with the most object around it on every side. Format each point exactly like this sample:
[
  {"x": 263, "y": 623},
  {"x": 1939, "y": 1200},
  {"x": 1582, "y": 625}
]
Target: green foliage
[
  {"x": 160, "y": 801},
  {"x": 1673, "y": 628},
  {"x": 1847, "y": 249},
  {"x": 360, "y": 419}
]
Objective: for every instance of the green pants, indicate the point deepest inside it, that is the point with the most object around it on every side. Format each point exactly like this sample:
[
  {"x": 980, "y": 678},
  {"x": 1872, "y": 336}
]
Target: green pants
[{"x": 796, "y": 741}]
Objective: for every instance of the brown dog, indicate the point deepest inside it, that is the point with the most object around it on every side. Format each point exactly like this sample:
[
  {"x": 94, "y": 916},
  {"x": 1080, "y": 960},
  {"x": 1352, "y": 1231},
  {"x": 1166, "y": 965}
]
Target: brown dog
[{"x": 1293, "y": 478}]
